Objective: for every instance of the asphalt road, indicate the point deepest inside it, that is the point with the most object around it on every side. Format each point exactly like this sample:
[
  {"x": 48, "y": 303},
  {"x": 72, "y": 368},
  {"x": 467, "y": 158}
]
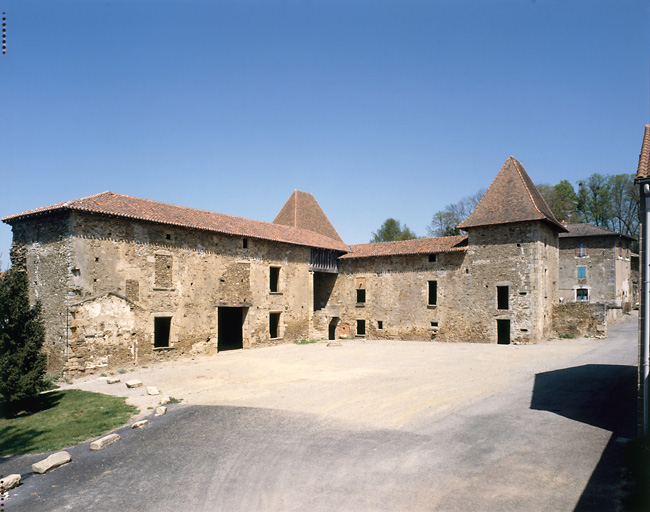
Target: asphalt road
[{"x": 545, "y": 441}]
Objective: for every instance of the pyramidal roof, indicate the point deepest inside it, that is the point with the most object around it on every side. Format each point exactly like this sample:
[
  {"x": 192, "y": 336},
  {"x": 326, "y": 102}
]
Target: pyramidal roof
[
  {"x": 512, "y": 197},
  {"x": 303, "y": 211},
  {"x": 643, "y": 171}
]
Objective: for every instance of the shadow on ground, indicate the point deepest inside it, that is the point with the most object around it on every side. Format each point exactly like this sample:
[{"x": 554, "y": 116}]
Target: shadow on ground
[{"x": 603, "y": 396}]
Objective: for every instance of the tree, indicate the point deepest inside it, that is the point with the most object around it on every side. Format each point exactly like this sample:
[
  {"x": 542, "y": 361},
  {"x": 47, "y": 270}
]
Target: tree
[
  {"x": 593, "y": 200},
  {"x": 562, "y": 200},
  {"x": 392, "y": 230},
  {"x": 22, "y": 363},
  {"x": 623, "y": 204},
  {"x": 444, "y": 222}
]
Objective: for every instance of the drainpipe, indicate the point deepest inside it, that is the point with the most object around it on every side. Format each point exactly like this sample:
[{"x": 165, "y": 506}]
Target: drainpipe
[{"x": 645, "y": 348}]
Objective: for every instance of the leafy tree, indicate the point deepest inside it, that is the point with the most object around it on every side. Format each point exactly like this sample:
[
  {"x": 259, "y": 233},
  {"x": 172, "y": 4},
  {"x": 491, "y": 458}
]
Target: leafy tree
[
  {"x": 444, "y": 222},
  {"x": 392, "y": 230},
  {"x": 593, "y": 200},
  {"x": 22, "y": 363},
  {"x": 562, "y": 200}
]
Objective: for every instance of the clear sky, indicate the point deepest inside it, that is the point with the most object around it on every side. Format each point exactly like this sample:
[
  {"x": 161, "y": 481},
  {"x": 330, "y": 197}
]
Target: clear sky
[{"x": 379, "y": 108}]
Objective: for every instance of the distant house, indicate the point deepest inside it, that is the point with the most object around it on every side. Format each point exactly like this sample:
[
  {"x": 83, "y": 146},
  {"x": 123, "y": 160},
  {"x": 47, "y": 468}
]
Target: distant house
[{"x": 595, "y": 266}]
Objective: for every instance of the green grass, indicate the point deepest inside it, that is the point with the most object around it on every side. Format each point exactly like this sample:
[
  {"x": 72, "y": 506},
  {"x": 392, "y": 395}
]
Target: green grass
[
  {"x": 567, "y": 336},
  {"x": 60, "y": 418},
  {"x": 305, "y": 342}
]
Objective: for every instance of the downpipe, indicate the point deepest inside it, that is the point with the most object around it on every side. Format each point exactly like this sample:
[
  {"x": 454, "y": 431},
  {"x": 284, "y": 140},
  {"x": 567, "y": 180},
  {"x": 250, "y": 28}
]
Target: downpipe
[{"x": 645, "y": 360}]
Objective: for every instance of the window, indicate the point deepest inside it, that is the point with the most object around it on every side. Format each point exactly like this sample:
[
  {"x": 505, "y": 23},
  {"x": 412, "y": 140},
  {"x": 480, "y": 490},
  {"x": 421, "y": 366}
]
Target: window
[
  {"x": 433, "y": 293},
  {"x": 245, "y": 243},
  {"x": 274, "y": 280},
  {"x": 361, "y": 327},
  {"x": 627, "y": 253},
  {"x": 582, "y": 272},
  {"x": 432, "y": 258},
  {"x": 380, "y": 324},
  {"x": 620, "y": 250},
  {"x": 274, "y": 325},
  {"x": 361, "y": 296},
  {"x": 581, "y": 250},
  {"x": 582, "y": 295},
  {"x": 502, "y": 297}
]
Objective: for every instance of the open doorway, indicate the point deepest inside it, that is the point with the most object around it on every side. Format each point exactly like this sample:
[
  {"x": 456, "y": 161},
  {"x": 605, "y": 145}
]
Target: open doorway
[
  {"x": 230, "y": 328},
  {"x": 161, "y": 329},
  {"x": 334, "y": 322},
  {"x": 503, "y": 332}
]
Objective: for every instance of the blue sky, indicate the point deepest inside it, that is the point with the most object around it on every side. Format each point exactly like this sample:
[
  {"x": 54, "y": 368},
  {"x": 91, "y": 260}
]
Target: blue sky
[{"x": 380, "y": 109}]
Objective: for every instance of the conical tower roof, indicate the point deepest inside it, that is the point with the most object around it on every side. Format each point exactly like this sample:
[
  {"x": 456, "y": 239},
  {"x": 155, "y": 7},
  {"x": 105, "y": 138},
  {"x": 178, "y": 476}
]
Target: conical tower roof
[
  {"x": 512, "y": 197},
  {"x": 303, "y": 211}
]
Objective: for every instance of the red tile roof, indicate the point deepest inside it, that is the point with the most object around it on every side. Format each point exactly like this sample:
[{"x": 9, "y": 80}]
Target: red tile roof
[
  {"x": 643, "y": 170},
  {"x": 512, "y": 197},
  {"x": 303, "y": 211},
  {"x": 119, "y": 205},
  {"x": 456, "y": 243}
]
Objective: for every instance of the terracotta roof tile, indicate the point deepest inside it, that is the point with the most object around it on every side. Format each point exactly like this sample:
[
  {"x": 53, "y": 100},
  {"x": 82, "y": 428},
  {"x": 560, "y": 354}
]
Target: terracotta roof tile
[
  {"x": 643, "y": 170},
  {"x": 303, "y": 211},
  {"x": 512, "y": 197},
  {"x": 417, "y": 246},
  {"x": 119, "y": 205},
  {"x": 582, "y": 229}
]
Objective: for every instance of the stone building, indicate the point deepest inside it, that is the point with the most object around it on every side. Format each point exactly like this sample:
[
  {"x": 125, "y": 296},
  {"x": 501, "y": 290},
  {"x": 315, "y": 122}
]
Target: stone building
[
  {"x": 595, "y": 266},
  {"x": 126, "y": 280}
]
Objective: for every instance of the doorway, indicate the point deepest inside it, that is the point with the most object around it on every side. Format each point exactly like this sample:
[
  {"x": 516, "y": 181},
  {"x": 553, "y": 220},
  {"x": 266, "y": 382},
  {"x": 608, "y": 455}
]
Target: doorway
[
  {"x": 334, "y": 322},
  {"x": 230, "y": 322},
  {"x": 503, "y": 332},
  {"x": 161, "y": 328}
]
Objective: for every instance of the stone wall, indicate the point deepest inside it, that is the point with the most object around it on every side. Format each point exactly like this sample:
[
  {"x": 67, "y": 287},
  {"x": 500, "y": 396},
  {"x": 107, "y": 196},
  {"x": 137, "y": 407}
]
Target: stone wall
[{"x": 579, "y": 319}]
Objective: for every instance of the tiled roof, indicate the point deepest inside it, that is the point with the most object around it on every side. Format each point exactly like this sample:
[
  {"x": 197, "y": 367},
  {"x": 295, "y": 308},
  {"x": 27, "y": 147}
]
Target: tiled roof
[
  {"x": 417, "y": 246},
  {"x": 303, "y": 211},
  {"x": 119, "y": 205},
  {"x": 643, "y": 171},
  {"x": 512, "y": 197},
  {"x": 581, "y": 230}
]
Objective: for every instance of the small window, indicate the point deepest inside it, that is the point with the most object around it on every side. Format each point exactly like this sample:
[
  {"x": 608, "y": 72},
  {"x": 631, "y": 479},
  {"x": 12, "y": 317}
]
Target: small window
[
  {"x": 361, "y": 327},
  {"x": 274, "y": 280},
  {"x": 380, "y": 324},
  {"x": 627, "y": 253},
  {"x": 582, "y": 295},
  {"x": 361, "y": 296},
  {"x": 502, "y": 297},
  {"x": 620, "y": 250},
  {"x": 245, "y": 243},
  {"x": 581, "y": 249},
  {"x": 168, "y": 236},
  {"x": 582, "y": 272},
  {"x": 274, "y": 325},
  {"x": 434, "y": 324},
  {"x": 432, "y": 258},
  {"x": 433, "y": 293}
]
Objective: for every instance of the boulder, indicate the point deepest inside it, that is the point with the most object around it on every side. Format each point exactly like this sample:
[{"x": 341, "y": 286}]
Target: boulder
[
  {"x": 140, "y": 424},
  {"x": 112, "y": 380},
  {"x": 152, "y": 390},
  {"x": 133, "y": 383},
  {"x": 52, "y": 462},
  {"x": 9, "y": 482},
  {"x": 104, "y": 442},
  {"x": 161, "y": 411}
]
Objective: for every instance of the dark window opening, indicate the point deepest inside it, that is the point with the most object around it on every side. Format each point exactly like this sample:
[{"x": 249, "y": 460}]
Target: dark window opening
[
  {"x": 274, "y": 325},
  {"x": 432, "y": 258},
  {"x": 434, "y": 324},
  {"x": 433, "y": 293},
  {"x": 502, "y": 297},
  {"x": 582, "y": 295},
  {"x": 380, "y": 324},
  {"x": 503, "y": 332},
  {"x": 96, "y": 259},
  {"x": 245, "y": 243},
  {"x": 274, "y": 279},
  {"x": 361, "y": 296},
  {"x": 168, "y": 236},
  {"x": 229, "y": 328},
  {"x": 323, "y": 286},
  {"x": 161, "y": 328},
  {"x": 581, "y": 250},
  {"x": 361, "y": 327}
]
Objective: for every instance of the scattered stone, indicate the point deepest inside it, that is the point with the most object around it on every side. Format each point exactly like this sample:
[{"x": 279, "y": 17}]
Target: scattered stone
[
  {"x": 161, "y": 411},
  {"x": 112, "y": 380},
  {"x": 9, "y": 482},
  {"x": 133, "y": 383},
  {"x": 52, "y": 462},
  {"x": 164, "y": 400},
  {"x": 140, "y": 424},
  {"x": 334, "y": 344},
  {"x": 104, "y": 442},
  {"x": 152, "y": 390}
]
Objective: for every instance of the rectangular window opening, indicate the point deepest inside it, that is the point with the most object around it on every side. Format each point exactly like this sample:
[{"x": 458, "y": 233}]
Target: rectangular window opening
[
  {"x": 582, "y": 295},
  {"x": 581, "y": 249},
  {"x": 361, "y": 296},
  {"x": 433, "y": 293},
  {"x": 380, "y": 324},
  {"x": 274, "y": 281},
  {"x": 432, "y": 258},
  {"x": 361, "y": 327},
  {"x": 245, "y": 243},
  {"x": 582, "y": 272},
  {"x": 274, "y": 325},
  {"x": 502, "y": 297}
]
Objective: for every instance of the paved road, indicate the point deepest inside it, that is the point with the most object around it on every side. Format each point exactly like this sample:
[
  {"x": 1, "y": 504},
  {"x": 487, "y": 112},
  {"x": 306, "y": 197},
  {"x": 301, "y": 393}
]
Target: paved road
[{"x": 544, "y": 440}]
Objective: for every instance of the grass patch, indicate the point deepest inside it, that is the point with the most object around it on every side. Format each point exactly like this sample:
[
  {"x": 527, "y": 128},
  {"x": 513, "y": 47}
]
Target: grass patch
[
  {"x": 637, "y": 461},
  {"x": 60, "y": 418},
  {"x": 567, "y": 336},
  {"x": 173, "y": 400},
  {"x": 305, "y": 342}
]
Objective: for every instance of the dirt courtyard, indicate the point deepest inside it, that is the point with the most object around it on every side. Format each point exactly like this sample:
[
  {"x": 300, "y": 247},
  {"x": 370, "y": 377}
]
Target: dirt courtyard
[{"x": 378, "y": 384}]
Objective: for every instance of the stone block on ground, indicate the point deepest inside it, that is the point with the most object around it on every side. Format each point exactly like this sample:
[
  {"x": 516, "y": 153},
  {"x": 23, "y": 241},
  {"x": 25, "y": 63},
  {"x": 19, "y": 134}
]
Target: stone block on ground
[
  {"x": 161, "y": 411},
  {"x": 52, "y": 462},
  {"x": 152, "y": 390},
  {"x": 133, "y": 383},
  {"x": 164, "y": 400},
  {"x": 9, "y": 482},
  {"x": 112, "y": 380},
  {"x": 334, "y": 344},
  {"x": 140, "y": 424},
  {"x": 104, "y": 442}
]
